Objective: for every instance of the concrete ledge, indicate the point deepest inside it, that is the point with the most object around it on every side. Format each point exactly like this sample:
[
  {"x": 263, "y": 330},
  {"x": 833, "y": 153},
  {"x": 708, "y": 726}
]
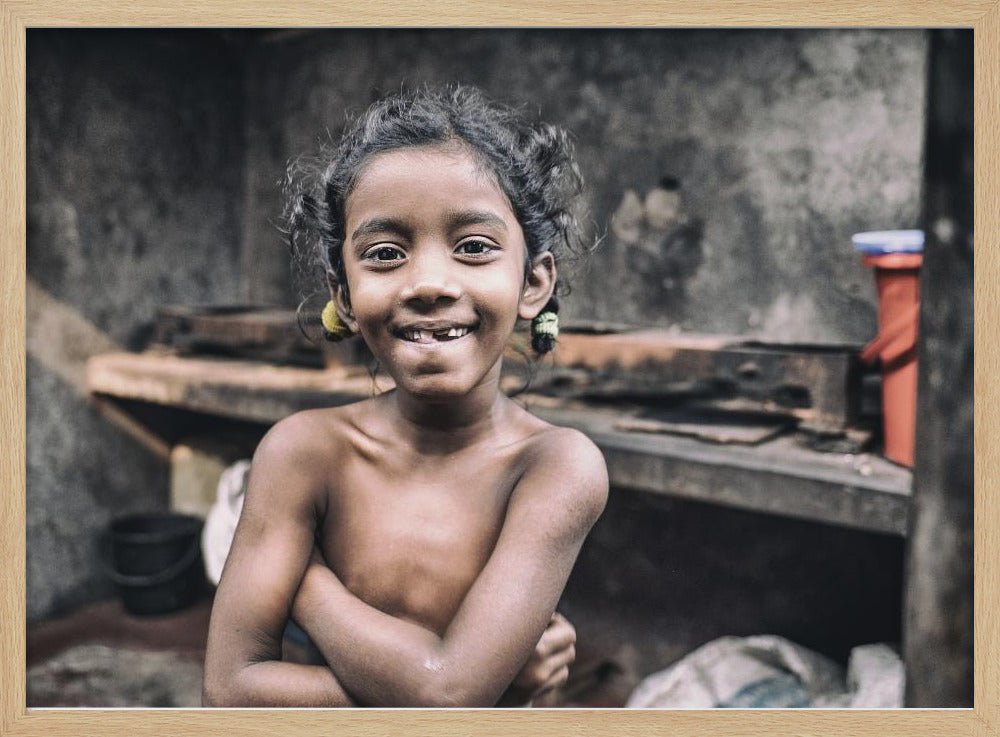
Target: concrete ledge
[{"x": 778, "y": 477}]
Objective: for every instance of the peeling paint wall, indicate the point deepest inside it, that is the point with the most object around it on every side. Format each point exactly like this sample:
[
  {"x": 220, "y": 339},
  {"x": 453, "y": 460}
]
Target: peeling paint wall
[
  {"x": 134, "y": 168},
  {"x": 780, "y": 145}
]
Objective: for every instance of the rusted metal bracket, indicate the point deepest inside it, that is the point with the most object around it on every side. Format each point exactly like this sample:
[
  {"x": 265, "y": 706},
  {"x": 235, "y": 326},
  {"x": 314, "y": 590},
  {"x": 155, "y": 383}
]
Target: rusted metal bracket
[{"x": 816, "y": 383}]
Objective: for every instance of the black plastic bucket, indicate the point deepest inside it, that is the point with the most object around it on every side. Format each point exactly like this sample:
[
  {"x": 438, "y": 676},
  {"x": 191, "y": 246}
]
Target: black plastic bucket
[{"x": 156, "y": 561}]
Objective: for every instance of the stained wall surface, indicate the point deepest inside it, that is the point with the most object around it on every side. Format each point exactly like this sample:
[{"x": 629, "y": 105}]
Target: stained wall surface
[
  {"x": 781, "y": 144},
  {"x": 134, "y": 165}
]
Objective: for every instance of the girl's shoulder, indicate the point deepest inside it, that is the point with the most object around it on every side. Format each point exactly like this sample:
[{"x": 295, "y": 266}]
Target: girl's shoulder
[
  {"x": 566, "y": 459},
  {"x": 543, "y": 437},
  {"x": 310, "y": 436},
  {"x": 563, "y": 485}
]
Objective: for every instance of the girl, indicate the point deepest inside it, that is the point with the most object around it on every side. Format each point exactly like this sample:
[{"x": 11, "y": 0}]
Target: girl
[{"x": 422, "y": 538}]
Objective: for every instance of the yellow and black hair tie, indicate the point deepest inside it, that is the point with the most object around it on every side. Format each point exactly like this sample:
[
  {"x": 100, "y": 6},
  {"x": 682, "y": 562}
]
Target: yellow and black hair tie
[
  {"x": 545, "y": 327},
  {"x": 334, "y": 329}
]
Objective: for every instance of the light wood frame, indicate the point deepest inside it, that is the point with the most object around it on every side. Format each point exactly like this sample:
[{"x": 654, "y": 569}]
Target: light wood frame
[{"x": 16, "y": 15}]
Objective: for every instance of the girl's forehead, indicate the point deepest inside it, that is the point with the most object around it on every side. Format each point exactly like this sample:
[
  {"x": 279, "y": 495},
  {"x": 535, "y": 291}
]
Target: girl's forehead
[{"x": 423, "y": 172}]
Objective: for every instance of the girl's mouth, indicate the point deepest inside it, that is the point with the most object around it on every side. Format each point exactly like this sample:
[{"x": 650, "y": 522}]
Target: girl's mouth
[{"x": 433, "y": 337}]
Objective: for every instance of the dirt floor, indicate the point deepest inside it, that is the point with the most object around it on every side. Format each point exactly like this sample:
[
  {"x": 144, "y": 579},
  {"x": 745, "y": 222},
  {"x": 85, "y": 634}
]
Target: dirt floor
[{"x": 102, "y": 656}]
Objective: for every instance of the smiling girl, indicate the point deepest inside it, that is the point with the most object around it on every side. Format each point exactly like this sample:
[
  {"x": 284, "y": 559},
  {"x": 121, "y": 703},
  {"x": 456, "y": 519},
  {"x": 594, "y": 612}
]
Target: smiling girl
[{"x": 421, "y": 538}]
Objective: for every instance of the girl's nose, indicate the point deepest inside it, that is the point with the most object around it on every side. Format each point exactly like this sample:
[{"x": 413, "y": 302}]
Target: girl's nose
[{"x": 431, "y": 279}]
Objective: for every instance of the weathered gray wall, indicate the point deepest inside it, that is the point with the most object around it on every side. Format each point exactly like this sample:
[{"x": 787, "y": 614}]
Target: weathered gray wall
[
  {"x": 784, "y": 143},
  {"x": 134, "y": 172},
  {"x": 940, "y": 567}
]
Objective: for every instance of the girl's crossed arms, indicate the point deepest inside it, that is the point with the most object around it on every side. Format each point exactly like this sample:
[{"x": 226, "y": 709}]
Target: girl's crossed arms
[{"x": 374, "y": 658}]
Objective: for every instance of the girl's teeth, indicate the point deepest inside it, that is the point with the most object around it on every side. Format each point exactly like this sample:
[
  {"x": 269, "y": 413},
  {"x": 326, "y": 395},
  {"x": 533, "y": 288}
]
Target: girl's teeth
[{"x": 423, "y": 336}]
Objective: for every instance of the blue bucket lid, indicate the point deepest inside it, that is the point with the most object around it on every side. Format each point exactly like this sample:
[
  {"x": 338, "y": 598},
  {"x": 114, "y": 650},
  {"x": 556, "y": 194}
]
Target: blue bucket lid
[{"x": 878, "y": 242}]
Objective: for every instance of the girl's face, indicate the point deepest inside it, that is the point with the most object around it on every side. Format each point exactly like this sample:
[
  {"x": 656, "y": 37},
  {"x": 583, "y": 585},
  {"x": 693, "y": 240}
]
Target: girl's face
[{"x": 435, "y": 265}]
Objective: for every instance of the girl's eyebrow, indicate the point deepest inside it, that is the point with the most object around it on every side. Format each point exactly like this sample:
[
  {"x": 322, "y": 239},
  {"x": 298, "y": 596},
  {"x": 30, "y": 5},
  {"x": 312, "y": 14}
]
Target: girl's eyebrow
[
  {"x": 457, "y": 219},
  {"x": 463, "y": 218},
  {"x": 381, "y": 225}
]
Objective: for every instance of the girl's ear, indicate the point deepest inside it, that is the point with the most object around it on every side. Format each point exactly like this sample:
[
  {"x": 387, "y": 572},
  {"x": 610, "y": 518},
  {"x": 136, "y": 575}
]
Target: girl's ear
[
  {"x": 538, "y": 286},
  {"x": 339, "y": 296}
]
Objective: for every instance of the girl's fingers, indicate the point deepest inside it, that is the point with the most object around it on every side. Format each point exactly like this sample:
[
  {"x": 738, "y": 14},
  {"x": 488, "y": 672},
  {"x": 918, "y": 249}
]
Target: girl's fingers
[
  {"x": 539, "y": 671},
  {"x": 548, "y": 671},
  {"x": 557, "y": 679},
  {"x": 558, "y": 635},
  {"x": 555, "y": 650},
  {"x": 558, "y": 661}
]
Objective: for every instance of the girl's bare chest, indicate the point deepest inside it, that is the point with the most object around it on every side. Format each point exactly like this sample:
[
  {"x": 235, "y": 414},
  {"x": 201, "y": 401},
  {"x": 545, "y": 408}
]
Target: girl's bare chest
[{"x": 412, "y": 544}]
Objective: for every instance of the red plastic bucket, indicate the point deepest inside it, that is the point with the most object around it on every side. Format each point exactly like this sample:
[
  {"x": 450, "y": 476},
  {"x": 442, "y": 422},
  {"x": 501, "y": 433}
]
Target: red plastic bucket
[{"x": 897, "y": 279}]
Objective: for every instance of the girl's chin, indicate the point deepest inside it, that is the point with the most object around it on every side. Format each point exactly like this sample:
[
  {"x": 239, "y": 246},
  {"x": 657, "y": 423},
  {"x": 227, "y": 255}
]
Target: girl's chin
[
  {"x": 440, "y": 388},
  {"x": 450, "y": 384},
  {"x": 439, "y": 375}
]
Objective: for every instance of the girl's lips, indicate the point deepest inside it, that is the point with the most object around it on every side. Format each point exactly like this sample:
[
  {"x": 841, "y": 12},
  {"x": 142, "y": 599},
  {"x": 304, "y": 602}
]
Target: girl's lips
[
  {"x": 424, "y": 336},
  {"x": 433, "y": 332},
  {"x": 428, "y": 338}
]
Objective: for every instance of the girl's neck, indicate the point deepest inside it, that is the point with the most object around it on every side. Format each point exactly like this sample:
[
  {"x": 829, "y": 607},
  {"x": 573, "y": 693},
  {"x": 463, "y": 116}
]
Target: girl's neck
[{"x": 448, "y": 426}]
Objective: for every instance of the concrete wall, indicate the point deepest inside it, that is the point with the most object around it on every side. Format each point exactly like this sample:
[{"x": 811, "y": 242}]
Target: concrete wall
[
  {"x": 134, "y": 172},
  {"x": 784, "y": 143},
  {"x": 941, "y": 595}
]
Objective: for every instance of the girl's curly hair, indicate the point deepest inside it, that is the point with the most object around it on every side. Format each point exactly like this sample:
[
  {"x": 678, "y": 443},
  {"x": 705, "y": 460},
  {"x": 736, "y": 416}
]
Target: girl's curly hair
[{"x": 533, "y": 164}]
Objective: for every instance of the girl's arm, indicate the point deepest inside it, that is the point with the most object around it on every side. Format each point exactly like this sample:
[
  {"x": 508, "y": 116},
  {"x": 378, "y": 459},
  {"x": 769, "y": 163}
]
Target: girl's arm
[
  {"x": 392, "y": 662},
  {"x": 269, "y": 554}
]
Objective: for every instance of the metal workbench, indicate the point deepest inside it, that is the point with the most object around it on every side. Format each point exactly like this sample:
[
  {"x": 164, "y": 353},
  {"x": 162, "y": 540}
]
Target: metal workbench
[{"x": 777, "y": 477}]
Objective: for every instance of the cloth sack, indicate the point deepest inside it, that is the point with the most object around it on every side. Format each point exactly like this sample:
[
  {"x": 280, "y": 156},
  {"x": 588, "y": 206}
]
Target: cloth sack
[
  {"x": 220, "y": 522},
  {"x": 767, "y": 671}
]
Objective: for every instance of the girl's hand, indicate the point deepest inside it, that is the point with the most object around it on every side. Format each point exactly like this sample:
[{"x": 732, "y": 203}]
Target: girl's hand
[{"x": 548, "y": 667}]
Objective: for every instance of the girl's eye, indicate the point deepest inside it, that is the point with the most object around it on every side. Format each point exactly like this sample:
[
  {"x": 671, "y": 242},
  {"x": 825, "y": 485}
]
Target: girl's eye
[
  {"x": 475, "y": 248},
  {"x": 383, "y": 254}
]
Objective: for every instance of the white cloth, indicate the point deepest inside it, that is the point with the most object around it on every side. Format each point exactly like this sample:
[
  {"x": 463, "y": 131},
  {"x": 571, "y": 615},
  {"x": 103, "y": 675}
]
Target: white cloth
[
  {"x": 767, "y": 671},
  {"x": 220, "y": 523}
]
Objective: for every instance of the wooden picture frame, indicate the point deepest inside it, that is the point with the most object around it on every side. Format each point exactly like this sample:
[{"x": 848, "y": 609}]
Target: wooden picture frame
[{"x": 15, "y": 719}]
